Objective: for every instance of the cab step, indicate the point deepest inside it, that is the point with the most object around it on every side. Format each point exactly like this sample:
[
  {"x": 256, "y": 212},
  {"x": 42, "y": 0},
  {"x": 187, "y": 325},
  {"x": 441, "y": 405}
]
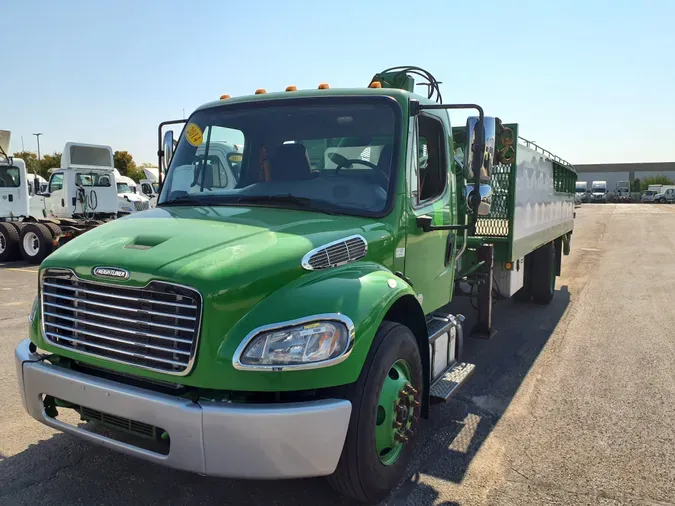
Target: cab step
[{"x": 446, "y": 386}]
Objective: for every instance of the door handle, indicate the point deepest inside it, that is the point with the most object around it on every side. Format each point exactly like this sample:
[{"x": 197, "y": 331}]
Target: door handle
[{"x": 11, "y": 197}]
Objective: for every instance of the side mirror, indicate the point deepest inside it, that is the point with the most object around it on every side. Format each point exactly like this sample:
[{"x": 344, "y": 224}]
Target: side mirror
[
  {"x": 481, "y": 199},
  {"x": 479, "y": 148},
  {"x": 167, "y": 149}
]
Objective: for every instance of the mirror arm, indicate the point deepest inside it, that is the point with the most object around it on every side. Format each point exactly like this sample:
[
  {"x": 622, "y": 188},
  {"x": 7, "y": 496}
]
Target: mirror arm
[{"x": 160, "y": 151}]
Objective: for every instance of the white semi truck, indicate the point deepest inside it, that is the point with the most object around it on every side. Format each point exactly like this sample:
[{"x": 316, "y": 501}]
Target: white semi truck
[
  {"x": 150, "y": 185},
  {"x": 581, "y": 191},
  {"x": 129, "y": 198},
  {"x": 623, "y": 191},
  {"x": 80, "y": 195},
  {"x": 599, "y": 191}
]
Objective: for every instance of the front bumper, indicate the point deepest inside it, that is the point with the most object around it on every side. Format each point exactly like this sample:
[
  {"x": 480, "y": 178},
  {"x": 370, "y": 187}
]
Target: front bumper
[{"x": 291, "y": 440}]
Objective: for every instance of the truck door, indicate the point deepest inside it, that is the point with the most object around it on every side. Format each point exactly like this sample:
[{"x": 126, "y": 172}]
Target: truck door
[
  {"x": 11, "y": 203},
  {"x": 429, "y": 256},
  {"x": 56, "y": 202}
]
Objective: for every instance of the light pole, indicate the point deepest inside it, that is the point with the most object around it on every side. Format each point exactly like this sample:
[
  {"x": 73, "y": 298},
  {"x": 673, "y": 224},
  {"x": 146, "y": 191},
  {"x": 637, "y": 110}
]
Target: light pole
[{"x": 38, "y": 143}]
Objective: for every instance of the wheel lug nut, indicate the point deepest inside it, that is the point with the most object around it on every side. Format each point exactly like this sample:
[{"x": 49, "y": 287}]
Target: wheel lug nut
[
  {"x": 397, "y": 425},
  {"x": 416, "y": 403}
]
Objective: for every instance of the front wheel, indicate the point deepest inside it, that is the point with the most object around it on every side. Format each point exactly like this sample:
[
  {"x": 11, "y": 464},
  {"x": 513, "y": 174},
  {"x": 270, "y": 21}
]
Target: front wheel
[{"x": 385, "y": 413}]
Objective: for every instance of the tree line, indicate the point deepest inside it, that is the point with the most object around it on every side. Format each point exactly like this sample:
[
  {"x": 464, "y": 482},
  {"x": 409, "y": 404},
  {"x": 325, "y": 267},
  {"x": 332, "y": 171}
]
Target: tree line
[{"x": 123, "y": 161}]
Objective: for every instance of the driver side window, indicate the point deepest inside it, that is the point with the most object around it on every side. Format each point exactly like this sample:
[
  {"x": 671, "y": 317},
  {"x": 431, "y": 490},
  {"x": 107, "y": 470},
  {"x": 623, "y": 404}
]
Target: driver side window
[
  {"x": 429, "y": 164},
  {"x": 56, "y": 182}
]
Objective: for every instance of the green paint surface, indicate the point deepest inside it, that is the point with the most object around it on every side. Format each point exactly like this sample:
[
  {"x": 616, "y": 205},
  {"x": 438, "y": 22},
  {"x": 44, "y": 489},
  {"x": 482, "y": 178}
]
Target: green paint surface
[{"x": 246, "y": 263}]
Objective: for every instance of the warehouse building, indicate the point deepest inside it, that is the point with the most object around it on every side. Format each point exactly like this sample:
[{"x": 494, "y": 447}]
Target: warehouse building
[{"x": 615, "y": 172}]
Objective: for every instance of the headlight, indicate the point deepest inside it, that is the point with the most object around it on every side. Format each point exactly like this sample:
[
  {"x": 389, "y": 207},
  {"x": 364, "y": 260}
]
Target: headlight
[
  {"x": 129, "y": 209},
  {"x": 33, "y": 311},
  {"x": 305, "y": 345}
]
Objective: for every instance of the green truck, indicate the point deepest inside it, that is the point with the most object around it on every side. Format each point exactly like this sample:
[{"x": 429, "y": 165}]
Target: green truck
[{"x": 295, "y": 324}]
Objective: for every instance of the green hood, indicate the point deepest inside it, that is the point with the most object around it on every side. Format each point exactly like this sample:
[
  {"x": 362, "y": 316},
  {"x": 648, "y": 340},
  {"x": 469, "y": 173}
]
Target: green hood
[{"x": 211, "y": 248}]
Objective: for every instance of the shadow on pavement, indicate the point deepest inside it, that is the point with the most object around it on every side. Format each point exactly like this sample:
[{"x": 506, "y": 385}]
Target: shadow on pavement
[
  {"x": 64, "y": 470},
  {"x": 456, "y": 430}
]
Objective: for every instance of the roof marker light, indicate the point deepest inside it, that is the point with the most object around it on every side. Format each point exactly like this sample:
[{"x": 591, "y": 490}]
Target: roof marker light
[
  {"x": 324, "y": 86},
  {"x": 224, "y": 97},
  {"x": 375, "y": 84},
  {"x": 260, "y": 91},
  {"x": 291, "y": 88}
]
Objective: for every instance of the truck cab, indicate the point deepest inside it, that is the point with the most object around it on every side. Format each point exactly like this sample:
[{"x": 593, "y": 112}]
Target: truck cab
[
  {"x": 666, "y": 194},
  {"x": 149, "y": 186},
  {"x": 599, "y": 191},
  {"x": 130, "y": 199},
  {"x": 582, "y": 192},
  {"x": 14, "y": 184},
  {"x": 292, "y": 295},
  {"x": 84, "y": 185},
  {"x": 623, "y": 191}
]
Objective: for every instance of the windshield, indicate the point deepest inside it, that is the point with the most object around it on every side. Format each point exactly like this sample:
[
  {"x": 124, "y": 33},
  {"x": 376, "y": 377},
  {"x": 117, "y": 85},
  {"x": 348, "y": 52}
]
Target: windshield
[
  {"x": 650, "y": 193},
  {"x": 581, "y": 187},
  {"x": 124, "y": 188},
  {"x": 9, "y": 177},
  {"x": 92, "y": 179},
  {"x": 324, "y": 154},
  {"x": 155, "y": 186},
  {"x": 599, "y": 189}
]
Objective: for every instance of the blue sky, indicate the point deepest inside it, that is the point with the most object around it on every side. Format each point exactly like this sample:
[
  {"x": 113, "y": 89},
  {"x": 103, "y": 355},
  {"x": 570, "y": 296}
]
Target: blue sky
[{"x": 593, "y": 81}]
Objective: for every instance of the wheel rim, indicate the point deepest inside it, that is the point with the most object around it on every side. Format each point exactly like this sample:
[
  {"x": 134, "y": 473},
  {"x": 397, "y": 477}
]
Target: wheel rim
[
  {"x": 31, "y": 243},
  {"x": 396, "y": 412},
  {"x": 3, "y": 243}
]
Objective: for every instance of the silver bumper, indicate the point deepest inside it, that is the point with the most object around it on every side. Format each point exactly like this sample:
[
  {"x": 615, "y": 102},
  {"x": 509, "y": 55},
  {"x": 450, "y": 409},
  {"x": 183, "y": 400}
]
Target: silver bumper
[{"x": 219, "y": 439}]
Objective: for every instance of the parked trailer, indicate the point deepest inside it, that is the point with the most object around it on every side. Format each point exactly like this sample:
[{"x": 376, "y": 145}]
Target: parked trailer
[
  {"x": 80, "y": 196},
  {"x": 292, "y": 325}
]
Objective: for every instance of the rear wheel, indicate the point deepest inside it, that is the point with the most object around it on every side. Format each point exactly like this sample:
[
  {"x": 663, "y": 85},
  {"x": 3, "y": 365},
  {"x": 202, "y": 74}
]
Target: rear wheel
[
  {"x": 9, "y": 242},
  {"x": 543, "y": 274},
  {"x": 385, "y": 411},
  {"x": 35, "y": 243},
  {"x": 54, "y": 229}
]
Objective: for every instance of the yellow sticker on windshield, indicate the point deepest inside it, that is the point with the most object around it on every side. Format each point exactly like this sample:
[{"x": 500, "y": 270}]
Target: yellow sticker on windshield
[
  {"x": 194, "y": 135},
  {"x": 235, "y": 157}
]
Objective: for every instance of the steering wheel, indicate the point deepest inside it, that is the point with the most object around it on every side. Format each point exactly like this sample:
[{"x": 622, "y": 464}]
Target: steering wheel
[{"x": 347, "y": 163}]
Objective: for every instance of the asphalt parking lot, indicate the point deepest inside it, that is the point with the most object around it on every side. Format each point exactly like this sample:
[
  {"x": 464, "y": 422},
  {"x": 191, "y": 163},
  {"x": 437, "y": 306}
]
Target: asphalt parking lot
[{"x": 573, "y": 403}]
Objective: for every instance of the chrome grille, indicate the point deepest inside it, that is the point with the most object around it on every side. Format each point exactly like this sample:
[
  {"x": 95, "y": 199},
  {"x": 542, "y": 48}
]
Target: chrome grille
[
  {"x": 155, "y": 327},
  {"x": 336, "y": 253},
  {"x": 141, "y": 205}
]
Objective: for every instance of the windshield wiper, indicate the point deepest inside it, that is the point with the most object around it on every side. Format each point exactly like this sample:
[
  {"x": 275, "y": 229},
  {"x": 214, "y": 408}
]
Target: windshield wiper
[
  {"x": 184, "y": 200},
  {"x": 284, "y": 198}
]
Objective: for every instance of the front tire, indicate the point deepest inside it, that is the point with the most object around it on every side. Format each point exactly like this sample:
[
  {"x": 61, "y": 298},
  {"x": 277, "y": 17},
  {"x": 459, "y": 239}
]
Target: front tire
[{"x": 385, "y": 412}]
